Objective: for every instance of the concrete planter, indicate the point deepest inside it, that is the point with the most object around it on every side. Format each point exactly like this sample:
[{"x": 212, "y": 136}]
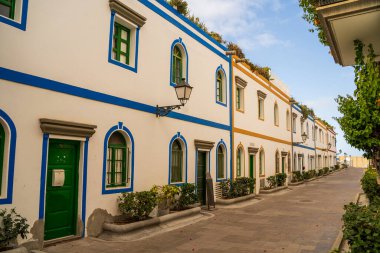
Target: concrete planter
[
  {"x": 225, "y": 202},
  {"x": 126, "y": 228},
  {"x": 311, "y": 179},
  {"x": 16, "y": 250},
  {"x": 262, "y": 191},
  {"x": 296, "y": 183}
]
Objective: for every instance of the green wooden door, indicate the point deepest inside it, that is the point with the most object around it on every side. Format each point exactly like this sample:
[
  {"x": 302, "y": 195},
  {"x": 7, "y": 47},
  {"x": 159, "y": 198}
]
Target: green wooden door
[
  {"x": 201, "y": 177},
  {"x": 251, "y": 169},
  {"x": 61, "y": 201},
  {"x": 283, "y": 164}
]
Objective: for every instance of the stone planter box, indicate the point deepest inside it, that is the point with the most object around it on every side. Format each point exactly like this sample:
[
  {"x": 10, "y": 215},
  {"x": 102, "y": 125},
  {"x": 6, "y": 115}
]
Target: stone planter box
[
  {"x": 234, "y": 200},
  {"x": 295, "y": 183},
  {"x": 129, "y": 227},
  {"x": 262, "y": 191},
  {"x": 311, "y": 179},
  {"x": 16, "y": 250}
]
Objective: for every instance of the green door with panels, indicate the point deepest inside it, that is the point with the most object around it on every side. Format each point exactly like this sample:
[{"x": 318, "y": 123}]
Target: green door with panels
[
  {"x": 201, "y": 177},
  {"x": 61, "y": 189},
  {"x": 251, "y": 169}
]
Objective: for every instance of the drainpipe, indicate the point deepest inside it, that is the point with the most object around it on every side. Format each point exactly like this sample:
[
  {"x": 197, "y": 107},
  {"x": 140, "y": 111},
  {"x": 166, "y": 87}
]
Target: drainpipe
[
  {"x": 315, "y": 146},
  {"x": 291, "y": 131}
]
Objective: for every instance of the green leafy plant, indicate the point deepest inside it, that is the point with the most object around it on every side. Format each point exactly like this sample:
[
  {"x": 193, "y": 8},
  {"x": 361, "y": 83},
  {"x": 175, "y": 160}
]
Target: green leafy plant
[
  {"x": 320, "y": 172},
  {"x": 297, "y": 176},
  {"x": 187, "y": 196},
  {"x": 180, "y": 5},
  {"x": 137, "y": 205},
  {"x": 360, "y": 120},
  {"x": 362, "y": 227},
  {"x": 12, "y": 225},
  {"x": 239, "y": 187},
  {"x": 166, "y": 195},
  {"x": 326, "y": 170},
  {"x": 281, "y": 179},
  {"x": 307, "y": 175},
  {"x": 370, "y": 186},
  {"x": 336, "y": 167},
  {"x": 272, "y": 181}
]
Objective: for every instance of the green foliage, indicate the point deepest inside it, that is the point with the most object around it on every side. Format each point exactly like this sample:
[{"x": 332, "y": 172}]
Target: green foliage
[
  {"x": 281, "y": 179},
  {"x": 187, "y": 196},
  {"x": 11, "y": 226},
  {"x": 137, "y": 205},
  {"x": 180, "y": 5},
  {"x": 166, "y": 195},
  {"x": 370, "y": 186},
  {"x": 326, "y": 170},
  {"x": 307, "y": 175},
  {"x": 311, "y": 16},
  {"x": 218, "y": 37},
  {"x": 320, "y": 172},
  {"x": 306, "y": 111},
  {"x": 198, "y": 22},
  {"x": 362, "y": 227},
  {"x": 235, "y": 47},
  {"x": 361, "y": 114},
  {"x": 272, "y": 181},
  {"x": 326, "y": 123},
  {"x": 297, "y": 176},
  {"x": 336, "y": 167},
  {"x": 239, "y": 187},
  {"x": 263, "y": 71}
]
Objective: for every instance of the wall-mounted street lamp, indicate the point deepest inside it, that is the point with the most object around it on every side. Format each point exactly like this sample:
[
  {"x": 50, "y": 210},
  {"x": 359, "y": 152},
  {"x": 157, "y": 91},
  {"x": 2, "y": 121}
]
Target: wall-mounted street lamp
[
  {"x": 183, "y": 91},
  {"x": 304, "y": 137}
]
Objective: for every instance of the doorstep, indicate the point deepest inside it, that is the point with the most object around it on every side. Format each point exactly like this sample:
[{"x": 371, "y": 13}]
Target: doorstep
[
  {"x": 269, "y": 191},
  {"x": 225, "y": 202}
]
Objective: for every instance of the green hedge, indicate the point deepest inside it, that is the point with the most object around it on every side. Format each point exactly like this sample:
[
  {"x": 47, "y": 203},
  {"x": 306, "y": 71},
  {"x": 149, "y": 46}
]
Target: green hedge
[
  {"x": 297, "y": 176},
  {"x": 370, "y": 186},
  {"x": 239, "y": 187}
]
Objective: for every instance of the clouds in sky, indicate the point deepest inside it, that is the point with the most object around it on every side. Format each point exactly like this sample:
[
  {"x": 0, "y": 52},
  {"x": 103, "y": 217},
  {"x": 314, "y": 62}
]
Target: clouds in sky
[{"x": 240, "y": 21}]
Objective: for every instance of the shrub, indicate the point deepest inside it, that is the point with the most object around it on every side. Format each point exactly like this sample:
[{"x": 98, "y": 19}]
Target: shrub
[
  {"x": 336, "y": 167},
  {"x": 326, "y": 170},
  {"x": 187, "y": 196},
  {"x": 320, "y": 172},
  {"x": 166, "y": 195},
  {"x": 239, "y": 187},
  {"x": 272, "y": 181},
  {"x": 297, "y": 176},
  {"x": 12, "y": 225},
  {"x": 370, "y": 186},
  {"x": 280, "y": 179},
  {"x": 137, "y": 205},
  {"x": 362, "y": 227},
  {"x": 313, "y": 173},
  {"x": 307, "y": 175}
]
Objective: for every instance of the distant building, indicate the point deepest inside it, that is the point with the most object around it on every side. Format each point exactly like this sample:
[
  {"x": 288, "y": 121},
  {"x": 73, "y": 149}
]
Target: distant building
[{"x": 354, "y": 161}]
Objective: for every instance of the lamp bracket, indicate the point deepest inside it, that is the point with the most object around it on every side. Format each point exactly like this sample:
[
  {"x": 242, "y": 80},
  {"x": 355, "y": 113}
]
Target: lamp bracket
[{"x": 162, "y": 111}]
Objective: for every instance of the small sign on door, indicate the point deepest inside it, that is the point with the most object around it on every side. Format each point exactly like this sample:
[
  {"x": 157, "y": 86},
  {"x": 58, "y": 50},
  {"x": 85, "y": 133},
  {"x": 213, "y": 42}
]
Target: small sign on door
[{"x": 58, "y": 177}]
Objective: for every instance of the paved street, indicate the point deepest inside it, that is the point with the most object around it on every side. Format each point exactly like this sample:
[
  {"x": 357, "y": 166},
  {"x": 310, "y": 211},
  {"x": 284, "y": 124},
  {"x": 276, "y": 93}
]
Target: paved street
[{"x": 306, "y": 218}]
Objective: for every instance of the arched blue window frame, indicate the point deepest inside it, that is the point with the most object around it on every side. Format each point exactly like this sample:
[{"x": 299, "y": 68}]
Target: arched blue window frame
[
  {"x": 118, "y": 127},
  {"x": 183, "y": 46},
  {"x": 221, "y": 143},
  {"x": 182, "y": 139},
  {"x": 24, "y": 14},
  {"x": 11, "y": 156},
  {"x": 220, "y": 68}
]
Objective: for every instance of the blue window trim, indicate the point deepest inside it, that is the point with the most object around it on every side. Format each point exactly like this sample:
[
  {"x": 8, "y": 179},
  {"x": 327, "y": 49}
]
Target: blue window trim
[
  {"x": 11, "y": 157},
  {"x": 178, "y": 136},
  {"x": 303, "y": 146},
  {"x": 299, "y": 110},
  {"x": 181, "y": 44},
  {"x": 118, "y": 127},
  {"x": 110, "y": 60},
  {"x": 220, "y": 68},
  {"x": 180, "y": 26},
  {"x": 24, "y": 16},
  {"x": 44, "y": 161},
  {"x": 187, "y": 21},
  {"x": 44, "y": 83},
  {"x": 221, "y": 142}
]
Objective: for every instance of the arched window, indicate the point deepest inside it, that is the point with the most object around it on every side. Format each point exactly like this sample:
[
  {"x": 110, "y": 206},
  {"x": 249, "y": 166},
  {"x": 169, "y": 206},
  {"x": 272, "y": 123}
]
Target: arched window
[
  {"x": 277, "y": 162},
  {"x": 177, "y": 65},
  {"x": 220, "y": 87},
  {"x": 276, "y": 115},
  {"x": 307, "y": 129},
  {"x": 2, "y": 147},
  {"x": 239, "y": 161},
  {"x": 295, "y": 162},
  {"x": 262, "y": 162},
  {"x": 176, "y": 162},
  {"x": 118, "y": 161},
  {"x": 289, "y": 162},
  {"x": 221, "y": 162},
  {"x": 287, "y": 120}
]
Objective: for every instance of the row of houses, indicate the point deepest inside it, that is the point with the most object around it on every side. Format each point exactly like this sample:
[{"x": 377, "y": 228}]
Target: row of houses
[{"x": 85, "y": 89}]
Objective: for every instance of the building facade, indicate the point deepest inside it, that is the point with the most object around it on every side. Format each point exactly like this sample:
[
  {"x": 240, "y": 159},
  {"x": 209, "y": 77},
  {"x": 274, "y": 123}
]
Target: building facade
[{"x": 79, "y": 118}]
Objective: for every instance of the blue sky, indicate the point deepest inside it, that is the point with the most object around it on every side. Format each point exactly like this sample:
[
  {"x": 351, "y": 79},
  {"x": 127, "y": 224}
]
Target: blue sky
[{"x": 272, "y": 33}]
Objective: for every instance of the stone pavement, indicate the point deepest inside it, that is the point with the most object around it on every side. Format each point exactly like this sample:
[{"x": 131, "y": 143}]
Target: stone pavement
[{"x": 305, "y": 218}]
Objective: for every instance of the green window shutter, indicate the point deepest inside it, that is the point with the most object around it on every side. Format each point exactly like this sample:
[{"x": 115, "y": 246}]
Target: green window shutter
[
  {"x": 237, "y": 98},
  {"x": 177, "y": 65},
  {"x": 117, "y": 161},
  {"x": 176, "y": 163},
  {"x": 238, "y": 165},
  {"x": 219, "y": 88},
  {"x": 2, "y": 147},
  {"x": 7, "y": 8},
  {"x": 121, "y": 45},
  {"x": 220, "y": 163}
]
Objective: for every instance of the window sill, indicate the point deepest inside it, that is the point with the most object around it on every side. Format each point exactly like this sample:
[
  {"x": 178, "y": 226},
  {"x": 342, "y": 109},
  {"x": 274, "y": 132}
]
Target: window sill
[
  {"x": 117, "y": 189},
  {"x": 117, "y": 63},
  {"x": 240, "y": 110},
  {"x": 221, "y": 103}
]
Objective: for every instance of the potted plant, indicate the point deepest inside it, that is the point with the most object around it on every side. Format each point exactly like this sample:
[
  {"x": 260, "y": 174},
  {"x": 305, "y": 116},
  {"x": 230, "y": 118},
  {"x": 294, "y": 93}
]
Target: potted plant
[
  {"x": 166, "y": 196},
  {"x": 12, "y": 225}
]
